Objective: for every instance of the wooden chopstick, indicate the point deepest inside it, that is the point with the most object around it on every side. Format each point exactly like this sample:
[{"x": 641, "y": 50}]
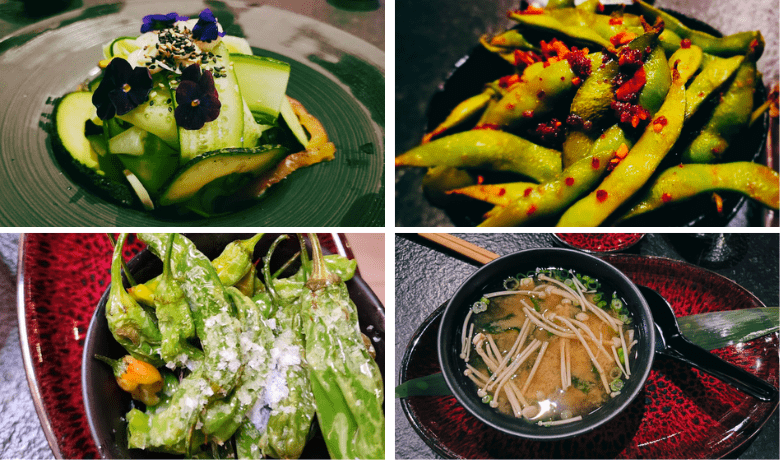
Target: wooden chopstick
[{"x": 462, "y": 247}]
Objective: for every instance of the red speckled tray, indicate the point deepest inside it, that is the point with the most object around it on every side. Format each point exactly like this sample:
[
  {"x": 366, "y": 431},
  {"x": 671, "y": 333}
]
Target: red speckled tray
[
  {"x": 63, "y": 276},
  {"x": 682, "y": 413}
]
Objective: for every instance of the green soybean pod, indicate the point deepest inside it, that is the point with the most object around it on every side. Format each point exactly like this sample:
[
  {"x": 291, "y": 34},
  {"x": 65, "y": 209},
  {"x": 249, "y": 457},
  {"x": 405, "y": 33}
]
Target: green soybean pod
[
  {"x": 727, "y": 119},
  {"x": 679, "y": 183},
  {"x": 659, "y": 78},
  {"x": 712, "y": 76},
  {"x": 498, "y": 150},
  {"x": 637, "y": 168}
]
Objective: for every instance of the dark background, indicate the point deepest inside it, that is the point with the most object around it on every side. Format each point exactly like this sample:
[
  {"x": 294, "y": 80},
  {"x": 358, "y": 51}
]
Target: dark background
[
  {"x": 427, "y": 275},
  {"x": 431, "y": 36}
]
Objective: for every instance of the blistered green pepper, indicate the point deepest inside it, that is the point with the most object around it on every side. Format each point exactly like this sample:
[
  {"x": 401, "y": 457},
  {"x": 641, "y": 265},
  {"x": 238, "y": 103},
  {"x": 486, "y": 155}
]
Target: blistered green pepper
[
  {"x": 679, "y": 183},
  {"x": 728, "y": 118},
  {"x": 235, "y": 261},
  {"x": 498, "y": 150},
  {"x": 132, "y": 326},
  {"x": 173, "y": 315},
  {"x": 347, "y": 383}
]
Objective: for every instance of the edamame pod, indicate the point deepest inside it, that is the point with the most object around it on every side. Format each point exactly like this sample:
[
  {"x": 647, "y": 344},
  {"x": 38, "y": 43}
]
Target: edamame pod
[
  {"x": 548, "y": 22},
  {"x": 486, "y": 148},
  {"x": 712, "y": 76},
  {"x": 464, "y": 111},
  {"x": 635, "y": 170},
  {"x": 727, "y": 119},
  {"x": 679, "y": 183},
  {"x": 659, "y": 78},
  {"x": 731, "y": 45}
]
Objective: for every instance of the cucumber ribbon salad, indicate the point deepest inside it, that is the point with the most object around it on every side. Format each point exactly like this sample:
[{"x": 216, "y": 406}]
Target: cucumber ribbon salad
[
  {"x": 222, "y": 364},
  {"x": 185, "y": 118}
]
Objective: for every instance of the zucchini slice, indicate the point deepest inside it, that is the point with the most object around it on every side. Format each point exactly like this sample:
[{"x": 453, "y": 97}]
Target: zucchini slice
[
  {"x": 209, "y": 166},
  {"x": 263, "y": 83}
]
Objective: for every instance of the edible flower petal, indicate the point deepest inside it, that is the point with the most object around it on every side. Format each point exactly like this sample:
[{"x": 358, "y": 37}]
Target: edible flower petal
[
  {"x": 196, "y": 98},
  {"x": 122, "y": 89},
  {"x": 160, "y": 21},
  {"x": 206, "y": 28}
]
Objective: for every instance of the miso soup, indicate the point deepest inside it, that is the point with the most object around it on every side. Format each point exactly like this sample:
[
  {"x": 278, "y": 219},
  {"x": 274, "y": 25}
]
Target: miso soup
[{"x": 550, "y": 347}]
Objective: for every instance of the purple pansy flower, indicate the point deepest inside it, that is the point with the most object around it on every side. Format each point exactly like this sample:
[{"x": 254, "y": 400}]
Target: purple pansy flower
[
  {"x": 160, "y": 21},
  {"x": 122, "y": 89},
  {"x": 206, "y": 28},
  {"x": 196, "y": 98}
]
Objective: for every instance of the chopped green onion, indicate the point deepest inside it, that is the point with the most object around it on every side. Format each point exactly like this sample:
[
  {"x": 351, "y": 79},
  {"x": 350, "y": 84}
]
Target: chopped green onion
[
  {"x": 568, "y": 282},
  {"x": 602, "y": 304},
  {"x": 511, "y": 283},
  {"x": 621, "y": 356},
  {"x": 616, "y": 385},
  {"x": 625, "y": 318},
  {"x": 487, "y": 398},
  {"x": 597, "y": 297},
  {"x": 616, "y": 305},
  {"x": 479, "y": 307},
  {"x": 534, "y": 301},
  {"x": 582, "y": 385}
]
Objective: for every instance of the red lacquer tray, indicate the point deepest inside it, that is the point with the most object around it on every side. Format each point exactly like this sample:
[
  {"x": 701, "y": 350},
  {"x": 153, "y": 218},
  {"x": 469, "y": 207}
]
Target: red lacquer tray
[
  {"x": 61, "y": 279},
  {"x": 681, "y": 413}
]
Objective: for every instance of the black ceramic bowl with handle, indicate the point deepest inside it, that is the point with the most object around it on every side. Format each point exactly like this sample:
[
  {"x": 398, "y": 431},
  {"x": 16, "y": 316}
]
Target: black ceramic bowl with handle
[
  {"x": 489, "y": 278},
  {"x": 106, "y": 404}
]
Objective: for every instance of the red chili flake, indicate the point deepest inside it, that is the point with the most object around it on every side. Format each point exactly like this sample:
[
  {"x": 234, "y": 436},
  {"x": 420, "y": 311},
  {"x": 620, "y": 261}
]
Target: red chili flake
[
  {"x": 576, "y": 81},
  {"x": 622, "y": 37},
  {"x": 563, "y": 78},
  {"x": 532, "y": 10},
  {"x": 666, "y": 197},
  {"x": 659, "y": 123},
  {"x": 681, "y": 165},
  {"x": 574, "y": 120},
  {"x": 630, "y": 113},
  {"x": 595, "y": 163},
  {"x": 528, "y": 114},
  {"x": 540, "y": 94},
  {"x": 685, "y": 43},
  {"x": 526, "y": 57},
  {"x": 527, "y": 191},
  {"x": 550, "y": 131},
  {"x": 630, "y": 89},
  {"x": 531, "y": 210},
  {"x": 480, "y": 180},
  {"x": 502, "y": 192},
  {"x": 718, "y": 202},
  {"x": 701, "y": 94},
  {"x": 492, "y": 126},
  {"x": 510, "y": 106},
  {"x": 569, "y": 181},
  {"x": 601, "y": 195},
  {"x": 600, "y": 242},
  {"x": 615, "y": 21},
  {"x": 509, "y": 80},
  {"x": 587, "y": 125},
  {"x": 579, "y": 62},
  {"x": 629, "y": 57}
]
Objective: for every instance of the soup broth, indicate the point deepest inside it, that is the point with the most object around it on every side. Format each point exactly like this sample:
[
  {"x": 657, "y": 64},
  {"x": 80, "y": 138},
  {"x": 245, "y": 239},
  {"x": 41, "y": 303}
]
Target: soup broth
[{"x": 550, "y": 348}]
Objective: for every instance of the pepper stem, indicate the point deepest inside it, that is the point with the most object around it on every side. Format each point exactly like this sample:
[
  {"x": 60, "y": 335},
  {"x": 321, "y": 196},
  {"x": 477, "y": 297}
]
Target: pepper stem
[
  {"x": 320, "y": 276},
  {"x": 267, "y": 265}
]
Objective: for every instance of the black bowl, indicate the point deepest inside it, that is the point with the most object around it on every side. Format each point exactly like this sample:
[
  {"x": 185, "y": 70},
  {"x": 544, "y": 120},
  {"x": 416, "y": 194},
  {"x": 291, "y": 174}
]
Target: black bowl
[
  {"x": 489, "y": 278},
  {"x": 106, "y": 404}
]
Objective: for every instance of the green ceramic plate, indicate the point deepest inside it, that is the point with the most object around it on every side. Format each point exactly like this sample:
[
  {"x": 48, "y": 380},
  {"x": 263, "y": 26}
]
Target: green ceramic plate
[{"x": 338, "y": 77}]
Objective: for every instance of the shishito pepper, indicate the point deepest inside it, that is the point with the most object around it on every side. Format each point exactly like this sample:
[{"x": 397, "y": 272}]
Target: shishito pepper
[
  {"x": 142, "y": 380},
  {"x": 347, "y": 383}
]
